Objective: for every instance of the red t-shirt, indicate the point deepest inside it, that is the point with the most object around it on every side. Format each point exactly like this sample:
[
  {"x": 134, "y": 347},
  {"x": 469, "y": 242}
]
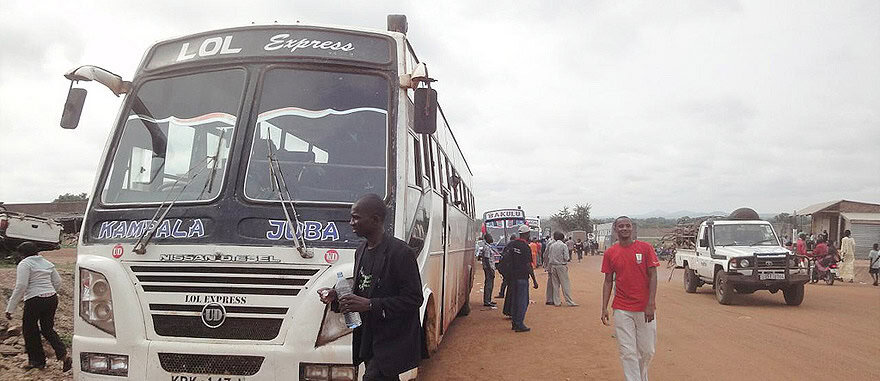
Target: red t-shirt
[{"x": 630, "y": 264}]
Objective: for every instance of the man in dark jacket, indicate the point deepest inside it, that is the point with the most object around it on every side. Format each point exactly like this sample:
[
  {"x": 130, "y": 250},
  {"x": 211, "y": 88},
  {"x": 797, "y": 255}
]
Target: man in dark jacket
[
  {"x": 516, "y": 262},
  {"x": 387, "y": 292}
]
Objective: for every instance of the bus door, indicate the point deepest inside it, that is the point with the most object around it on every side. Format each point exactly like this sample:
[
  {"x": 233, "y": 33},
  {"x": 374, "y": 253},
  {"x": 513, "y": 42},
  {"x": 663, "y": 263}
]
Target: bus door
[{"x": 445, "y": 242}]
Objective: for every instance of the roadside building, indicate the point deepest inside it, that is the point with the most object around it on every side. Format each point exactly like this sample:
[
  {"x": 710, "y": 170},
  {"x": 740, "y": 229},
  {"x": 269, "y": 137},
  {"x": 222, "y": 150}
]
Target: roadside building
[{"x": 861, "y": 218}]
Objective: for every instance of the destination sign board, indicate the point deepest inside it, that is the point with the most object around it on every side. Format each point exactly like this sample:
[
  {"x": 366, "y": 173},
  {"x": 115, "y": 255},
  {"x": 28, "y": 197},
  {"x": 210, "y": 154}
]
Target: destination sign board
[
  {"x": 504, "y": 214},
  {"x": 274, "y": 42}
]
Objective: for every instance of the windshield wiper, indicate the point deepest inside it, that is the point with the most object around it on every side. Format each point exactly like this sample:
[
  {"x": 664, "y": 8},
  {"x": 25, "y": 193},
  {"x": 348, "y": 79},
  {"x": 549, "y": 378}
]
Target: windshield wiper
[
  {"x": 278, "y": 184},
  {"x": 210, "y": 183},
  {"x": 140, "y": 247}
]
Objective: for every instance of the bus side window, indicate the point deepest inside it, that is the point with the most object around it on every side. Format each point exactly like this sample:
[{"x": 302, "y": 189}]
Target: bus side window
[
  {"x": 429, "y": 161},
  {"x": 416, "y": 153},
  {"x": 440, "y": 171}
]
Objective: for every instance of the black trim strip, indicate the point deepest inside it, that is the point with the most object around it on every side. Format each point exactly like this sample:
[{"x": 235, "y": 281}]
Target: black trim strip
[
  {"x": 221, "y": 270},
  {"x": 229, "y": 280},
  {"x": 229, "y": 309},
  {"x": 223, "y": 290}
]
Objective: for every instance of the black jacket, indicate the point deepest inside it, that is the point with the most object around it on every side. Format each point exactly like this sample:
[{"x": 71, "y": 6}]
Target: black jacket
[{"x": 395, "y": 298}]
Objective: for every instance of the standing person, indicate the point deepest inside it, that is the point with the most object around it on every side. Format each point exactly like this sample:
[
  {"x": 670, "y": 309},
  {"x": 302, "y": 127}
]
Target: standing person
[
  {"x": 570, "y": 243},
  {"x": 579, "y": 247},
  {"x": 517, "y": 270},
  {"x": 546, "y": 264},
  {"x": 630, "y": 266},
  {"x": 801, "y": 246},
  {"x": 504, "y": 283},
  {"x": 387, "y": 292},
  {"x": 874, "y": 263},
  {"x": 848, "y": 256},
  {"x": 38, "y": 283},
  {"x": 557, "y": 262},
  {"x": 487, "y": 256},
  {"x": 533, "y": 247}
]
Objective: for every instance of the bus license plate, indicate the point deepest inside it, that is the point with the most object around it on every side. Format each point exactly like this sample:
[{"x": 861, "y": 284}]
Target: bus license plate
[
  {"x": 765, "y": 276},
  {"x": 189, "y": 377}
]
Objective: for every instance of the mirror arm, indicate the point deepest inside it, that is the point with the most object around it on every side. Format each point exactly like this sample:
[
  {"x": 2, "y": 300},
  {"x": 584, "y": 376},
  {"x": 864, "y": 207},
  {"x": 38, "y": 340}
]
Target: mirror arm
[{"x": 93, "y": 73}]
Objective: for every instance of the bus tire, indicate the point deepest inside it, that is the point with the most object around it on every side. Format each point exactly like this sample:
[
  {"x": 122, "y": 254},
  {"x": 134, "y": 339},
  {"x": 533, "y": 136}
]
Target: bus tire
[
  {"x": 465, "y": 309},
  {"x": 430, "y": 331}
]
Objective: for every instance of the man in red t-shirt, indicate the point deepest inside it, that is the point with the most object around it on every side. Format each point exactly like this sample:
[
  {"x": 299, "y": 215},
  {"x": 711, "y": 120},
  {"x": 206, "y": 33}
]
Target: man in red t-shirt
[{"x": 632, "y": 266}]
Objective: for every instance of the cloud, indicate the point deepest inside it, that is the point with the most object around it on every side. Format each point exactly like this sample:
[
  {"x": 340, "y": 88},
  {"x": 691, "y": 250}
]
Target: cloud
[{"x": 629, "y": 106}]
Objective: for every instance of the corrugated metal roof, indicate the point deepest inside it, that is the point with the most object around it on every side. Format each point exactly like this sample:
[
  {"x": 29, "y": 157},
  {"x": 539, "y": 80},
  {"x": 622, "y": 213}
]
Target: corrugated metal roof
[
  {"x": 816, "y": 207},
  {"x": 873, "y": 217}
]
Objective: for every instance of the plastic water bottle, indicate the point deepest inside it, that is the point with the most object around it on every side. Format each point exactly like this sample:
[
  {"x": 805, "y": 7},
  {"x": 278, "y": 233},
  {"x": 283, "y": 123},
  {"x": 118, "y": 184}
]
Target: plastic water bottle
[{"x": 343, "y": 287}]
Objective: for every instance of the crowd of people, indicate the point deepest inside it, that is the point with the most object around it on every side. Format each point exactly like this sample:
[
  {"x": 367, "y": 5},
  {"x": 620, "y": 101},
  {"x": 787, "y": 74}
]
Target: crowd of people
[{"x": 630, "y": 268}]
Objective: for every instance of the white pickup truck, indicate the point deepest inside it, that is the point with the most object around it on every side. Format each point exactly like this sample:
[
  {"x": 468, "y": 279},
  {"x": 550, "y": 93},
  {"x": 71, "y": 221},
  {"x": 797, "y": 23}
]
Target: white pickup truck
[
  {"x": 740, "y": 255},
  {"x": 16, "y": 228}
]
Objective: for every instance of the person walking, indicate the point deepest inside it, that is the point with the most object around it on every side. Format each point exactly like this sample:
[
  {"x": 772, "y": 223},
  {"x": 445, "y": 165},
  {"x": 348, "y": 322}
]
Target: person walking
[
  {"x": 630, "y": 267},
  {"x": 848, "y": 256},
  {"x": 874, "y": 263},
  {"x": 517, "y": 270},
  {"x": 557, "y": 260},
  {"x": 487, "y": 257},
  {"x": 387, "y": 292},
  {"x": 38, "y": 283},
  {"x": 579, "y": 247}
]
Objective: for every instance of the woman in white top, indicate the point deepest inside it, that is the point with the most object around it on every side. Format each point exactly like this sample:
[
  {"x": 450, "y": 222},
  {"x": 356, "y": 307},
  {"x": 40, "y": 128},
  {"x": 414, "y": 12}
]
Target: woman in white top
[{"x": 37, "y": 282}]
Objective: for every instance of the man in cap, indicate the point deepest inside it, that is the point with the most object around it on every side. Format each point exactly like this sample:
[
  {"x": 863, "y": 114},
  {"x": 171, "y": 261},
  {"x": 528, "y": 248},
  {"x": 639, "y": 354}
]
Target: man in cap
[{"x": 517, "y": 265}]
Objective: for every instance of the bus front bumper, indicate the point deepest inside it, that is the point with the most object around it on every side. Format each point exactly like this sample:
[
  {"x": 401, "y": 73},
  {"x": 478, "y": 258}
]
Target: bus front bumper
[{"x": 177, "y": 361}]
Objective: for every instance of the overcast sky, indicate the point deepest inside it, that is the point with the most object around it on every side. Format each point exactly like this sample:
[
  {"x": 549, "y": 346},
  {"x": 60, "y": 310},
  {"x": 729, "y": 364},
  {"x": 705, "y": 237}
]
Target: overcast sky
[{"x": 631, "y": 106}]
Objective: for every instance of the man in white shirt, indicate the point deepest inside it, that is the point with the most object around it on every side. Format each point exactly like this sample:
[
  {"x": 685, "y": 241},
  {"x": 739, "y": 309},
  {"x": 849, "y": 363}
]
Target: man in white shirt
[{"x": 848, "y": 256}]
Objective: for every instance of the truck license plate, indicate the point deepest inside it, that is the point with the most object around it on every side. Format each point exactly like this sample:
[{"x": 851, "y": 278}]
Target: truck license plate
[
  {"x": 189, "y": 377},
  {"x": 764, "y": 276}
]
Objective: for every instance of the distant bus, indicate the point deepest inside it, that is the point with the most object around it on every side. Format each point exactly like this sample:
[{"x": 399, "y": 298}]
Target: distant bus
[
  {"x": 535, "y": 225},
  {"x": 501, "y": 224}
]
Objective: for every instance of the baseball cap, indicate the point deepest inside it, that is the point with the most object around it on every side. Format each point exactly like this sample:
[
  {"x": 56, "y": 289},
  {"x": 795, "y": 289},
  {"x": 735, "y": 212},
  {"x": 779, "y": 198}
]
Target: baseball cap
[{"x": 524, "y": 229}]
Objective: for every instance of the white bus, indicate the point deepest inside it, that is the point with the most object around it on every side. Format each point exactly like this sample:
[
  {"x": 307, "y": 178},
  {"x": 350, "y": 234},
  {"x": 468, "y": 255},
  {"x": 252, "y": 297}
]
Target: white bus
[{"x": 222, "y": 202}]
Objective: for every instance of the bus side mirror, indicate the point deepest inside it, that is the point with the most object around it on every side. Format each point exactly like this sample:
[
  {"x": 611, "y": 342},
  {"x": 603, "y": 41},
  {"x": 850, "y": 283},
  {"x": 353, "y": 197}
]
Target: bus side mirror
[
  {"x": 73, "y": 107},
  {"x": 425, "y": 111}
]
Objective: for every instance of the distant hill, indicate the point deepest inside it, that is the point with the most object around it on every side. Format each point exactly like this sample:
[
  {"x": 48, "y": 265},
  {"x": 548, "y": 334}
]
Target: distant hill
[{"x": 684, "y": 213}]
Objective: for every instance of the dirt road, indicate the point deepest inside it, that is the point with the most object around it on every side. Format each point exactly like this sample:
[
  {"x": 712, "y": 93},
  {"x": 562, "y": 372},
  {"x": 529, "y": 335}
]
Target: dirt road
[{"x": 757, "y": 338}]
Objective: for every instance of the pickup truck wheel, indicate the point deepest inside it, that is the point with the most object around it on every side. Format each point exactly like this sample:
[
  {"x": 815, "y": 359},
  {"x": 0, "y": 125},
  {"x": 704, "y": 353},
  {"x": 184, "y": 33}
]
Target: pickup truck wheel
[
  {"x": 794, "y": 294},
  {"x": 723, "y": 288},
  {"x": 690, "y": 280}
]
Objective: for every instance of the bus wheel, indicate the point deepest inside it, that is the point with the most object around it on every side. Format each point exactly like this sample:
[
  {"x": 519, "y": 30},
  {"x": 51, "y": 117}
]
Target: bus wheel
[
  {"x": 465, "y": 309},
  {"x": 430, "y": 332}
]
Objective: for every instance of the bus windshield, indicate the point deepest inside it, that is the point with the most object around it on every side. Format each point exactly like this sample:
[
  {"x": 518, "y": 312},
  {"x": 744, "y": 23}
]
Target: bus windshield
[
  {"x": 176, "y": 139},
  {"x": 328, "y": 131}
]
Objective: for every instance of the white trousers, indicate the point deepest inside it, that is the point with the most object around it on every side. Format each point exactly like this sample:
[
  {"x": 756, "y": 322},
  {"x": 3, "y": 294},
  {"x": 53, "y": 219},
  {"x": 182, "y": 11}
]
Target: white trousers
[{"x": 636, "y": 340}]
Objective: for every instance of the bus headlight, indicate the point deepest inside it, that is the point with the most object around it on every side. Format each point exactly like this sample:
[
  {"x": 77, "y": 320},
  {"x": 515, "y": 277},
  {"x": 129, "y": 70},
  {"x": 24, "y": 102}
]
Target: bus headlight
[
  {"x": 327, "y": 372},
  {"x": 332, "y": 327},
  {"x": 103, "y": 363},
  {"x": 95, "y": 301}
]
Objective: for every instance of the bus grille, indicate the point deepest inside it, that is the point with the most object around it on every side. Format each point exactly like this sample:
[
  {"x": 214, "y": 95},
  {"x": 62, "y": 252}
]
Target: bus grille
[
  {"x": 210, "y": 364},
  {"x": 242, "y": 322}
]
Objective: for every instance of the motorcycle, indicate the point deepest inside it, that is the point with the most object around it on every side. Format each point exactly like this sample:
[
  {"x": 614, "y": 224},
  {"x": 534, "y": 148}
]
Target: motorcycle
[{"x": 824, "y": 268}]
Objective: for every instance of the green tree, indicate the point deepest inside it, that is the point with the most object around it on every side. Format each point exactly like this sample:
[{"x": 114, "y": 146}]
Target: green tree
[
  {"x": 71, "y": 197},
  {"x": 577, "y": 218}
]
